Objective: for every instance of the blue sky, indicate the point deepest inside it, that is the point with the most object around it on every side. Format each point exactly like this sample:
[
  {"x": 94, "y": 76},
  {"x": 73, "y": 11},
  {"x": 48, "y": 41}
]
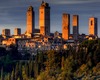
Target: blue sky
[{"x": 13, "y": 13}]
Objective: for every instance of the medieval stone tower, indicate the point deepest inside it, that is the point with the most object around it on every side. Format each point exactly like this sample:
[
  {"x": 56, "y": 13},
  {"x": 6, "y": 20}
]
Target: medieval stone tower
[
  {"x": 75, "y": 24},
  {"x": 65, "y": 26},
  {"x": 93, "y": 26},
  {"x": 44, "y": 19},
  {"x": 30, "y": 21}
]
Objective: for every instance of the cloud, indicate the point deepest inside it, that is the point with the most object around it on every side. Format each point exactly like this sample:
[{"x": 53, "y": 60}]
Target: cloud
[
  {"x": 62, "y": 2},
  {"x": 17, "y": 3}
]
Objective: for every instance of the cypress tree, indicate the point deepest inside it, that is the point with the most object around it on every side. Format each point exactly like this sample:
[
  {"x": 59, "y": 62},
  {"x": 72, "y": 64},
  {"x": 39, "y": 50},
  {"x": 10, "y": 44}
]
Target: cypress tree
[{"x": 2, "y": 76}]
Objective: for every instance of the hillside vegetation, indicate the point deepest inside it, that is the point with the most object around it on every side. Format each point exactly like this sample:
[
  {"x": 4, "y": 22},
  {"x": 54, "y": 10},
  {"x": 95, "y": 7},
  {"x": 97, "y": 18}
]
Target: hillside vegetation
[{"x": 82, "y": 63}]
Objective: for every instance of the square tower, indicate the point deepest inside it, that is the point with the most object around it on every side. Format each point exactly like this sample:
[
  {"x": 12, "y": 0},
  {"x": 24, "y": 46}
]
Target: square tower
[
  {"x": 6, "y": 32},
  {"x": 30, "y": 20},
  {"x": 17, "y": 31},
  {"x": 65, "y": 26},
  {"x": 75, "y": 24},
  {"x": 44, "y": 19},
  {"x": 93, "y": 26}
]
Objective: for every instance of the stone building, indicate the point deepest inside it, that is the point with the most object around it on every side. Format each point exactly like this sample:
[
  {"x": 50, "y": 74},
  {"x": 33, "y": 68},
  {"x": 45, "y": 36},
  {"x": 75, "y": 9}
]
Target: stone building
[
  {"x": 44, "y": 19},
  {"x": 30, "y": 21},
  {"x": 6, "y": 32},
  {"x": 75, "y": 24},
  {"x": 17, "y": 31},
  {"x": 65, "y": 26},
  {"x": 93, "y": 26}
]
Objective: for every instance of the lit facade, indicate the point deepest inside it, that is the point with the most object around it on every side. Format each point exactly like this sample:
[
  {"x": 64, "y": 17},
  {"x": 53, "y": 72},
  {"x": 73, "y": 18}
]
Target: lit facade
[
  {"x": 30, "y": 21},
  {"x": 65, "y": 26},
  {"x": 6, "y": 32},
  {"x": 93, "y": 26},
  {"x": 44, "y": 19},
  {"x": 75, "y": 24},
  {"x": 17, "y": 31}
]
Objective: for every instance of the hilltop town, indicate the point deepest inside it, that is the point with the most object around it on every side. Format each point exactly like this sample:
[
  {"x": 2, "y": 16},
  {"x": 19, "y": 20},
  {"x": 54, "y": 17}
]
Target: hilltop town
[
  {"x": 39, "y": 54},
  {"x": 42, "y": 38}
]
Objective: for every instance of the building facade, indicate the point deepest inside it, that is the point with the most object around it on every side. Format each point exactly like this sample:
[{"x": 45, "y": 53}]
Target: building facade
[
  {"x": 44, "y": 19},
  {"x": 65, "y": 26},
  {"x": 30, "y": 20},
  {"x": 17, "y": 31},
  {"x": 6, "y": 32},
  {"x": 93, "y": 26},
  {"x": 75, "y": 23}
]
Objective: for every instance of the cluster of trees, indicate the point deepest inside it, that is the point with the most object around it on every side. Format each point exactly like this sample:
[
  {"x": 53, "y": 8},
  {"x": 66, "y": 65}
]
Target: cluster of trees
[
  {"x": 74, "y": 63},
  {"x": 23, "y": 70}
]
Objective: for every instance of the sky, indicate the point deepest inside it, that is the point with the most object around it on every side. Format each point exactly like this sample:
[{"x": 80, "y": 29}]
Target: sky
[{"x": 13, "y": 13}]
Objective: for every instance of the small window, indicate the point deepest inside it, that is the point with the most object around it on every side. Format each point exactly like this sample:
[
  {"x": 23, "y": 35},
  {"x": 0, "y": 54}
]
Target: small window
[
  {"x": 91, "y": 22},
  {"x": 41, "y": 12}
]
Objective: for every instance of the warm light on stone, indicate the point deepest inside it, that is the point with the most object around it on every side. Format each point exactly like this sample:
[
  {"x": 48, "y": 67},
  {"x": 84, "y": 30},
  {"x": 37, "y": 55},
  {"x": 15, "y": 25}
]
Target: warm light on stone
[
  {"x": 65, "y": 26},
  {"x": 75, "y": 23},
  {"x": 93, "y": 26},
  {"x": 30, "y": 20},
  {"x": 17, "y": 31},
  {"x": 44, "y": 19}
]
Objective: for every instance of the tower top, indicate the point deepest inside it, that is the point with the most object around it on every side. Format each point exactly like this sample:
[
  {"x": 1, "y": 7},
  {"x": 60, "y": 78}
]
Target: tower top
[
  {"x": 44, "y": 4},
  {"x": 30, "y": 8},
  {"x": 42, "y": 1}
]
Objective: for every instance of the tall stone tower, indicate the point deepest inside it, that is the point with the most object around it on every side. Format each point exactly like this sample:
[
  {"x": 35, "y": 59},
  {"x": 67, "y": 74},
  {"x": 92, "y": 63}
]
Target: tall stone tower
[
  {"x": 65, "y": 26},
  {"x": 44, "y": 19},
  {"x": 93, "y": 26},
  {"x": 75, "y": 24},
  {"x": 30, "y": 20}
]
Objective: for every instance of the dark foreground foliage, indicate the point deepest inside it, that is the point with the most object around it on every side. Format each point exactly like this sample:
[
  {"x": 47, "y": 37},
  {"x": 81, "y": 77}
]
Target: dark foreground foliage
[{"x": 81, "y": 62}]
